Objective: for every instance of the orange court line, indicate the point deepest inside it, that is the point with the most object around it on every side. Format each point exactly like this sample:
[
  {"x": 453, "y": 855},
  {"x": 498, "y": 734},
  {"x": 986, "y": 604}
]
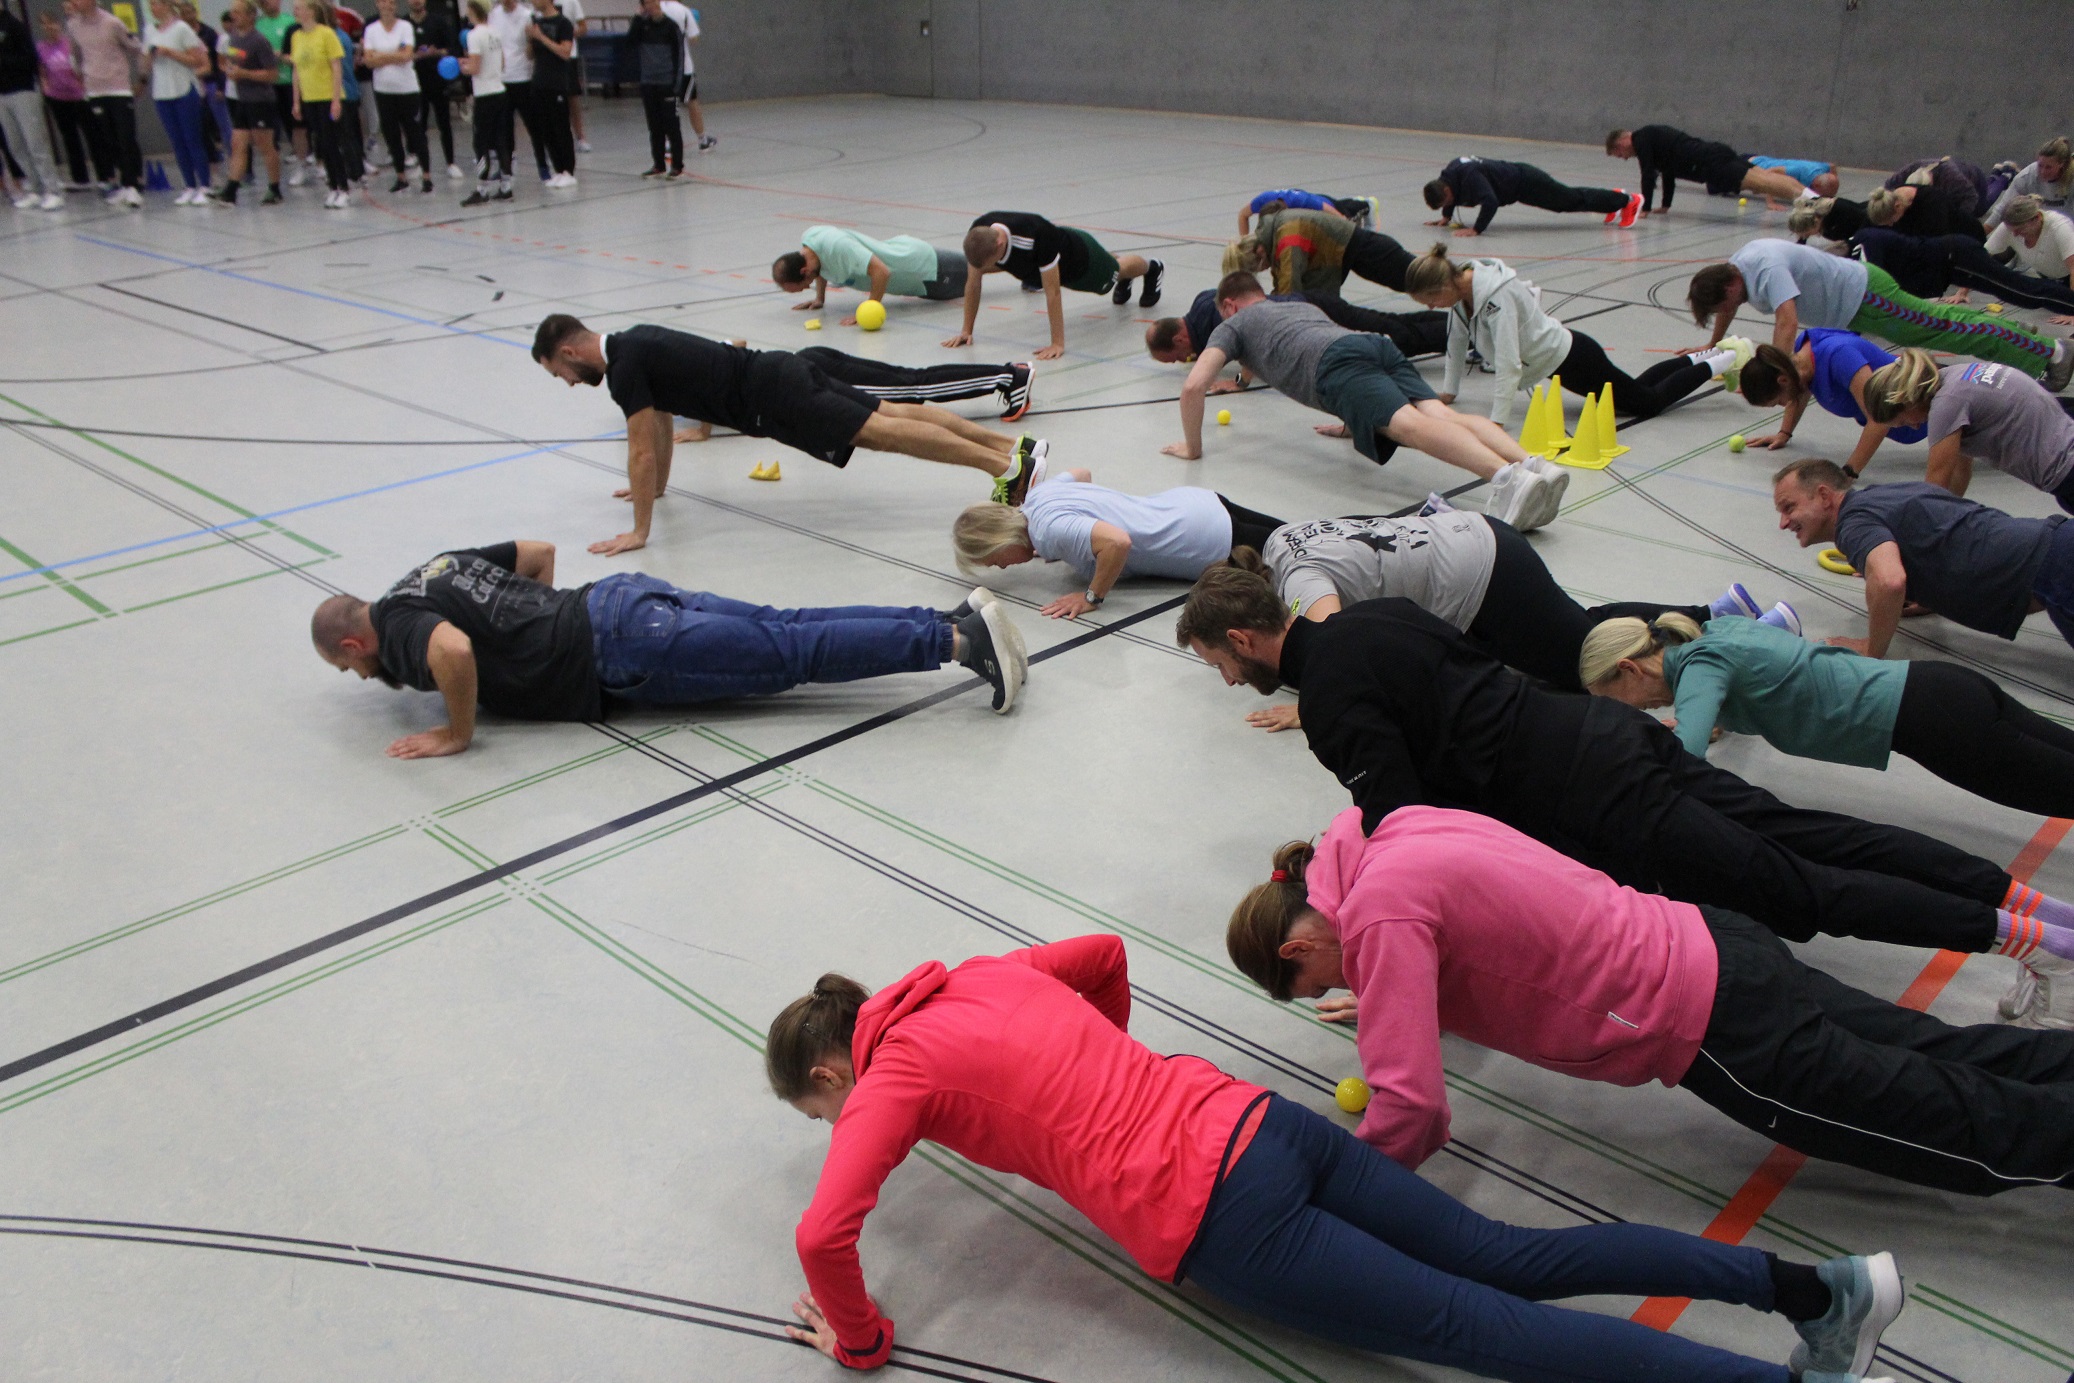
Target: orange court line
[{"x": 1747, "y": 1206}]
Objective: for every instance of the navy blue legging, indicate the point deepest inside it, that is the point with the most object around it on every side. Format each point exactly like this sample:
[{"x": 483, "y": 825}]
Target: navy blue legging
[{"x": 1318, "y": 1231}]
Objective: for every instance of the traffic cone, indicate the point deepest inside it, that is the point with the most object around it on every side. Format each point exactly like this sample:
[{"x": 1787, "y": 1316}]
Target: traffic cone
[
  {"x": 1533, "y": 433},
  {"x": 1609, "y": 431},
  {"x": 1558, "y": 438},
  {"x": 1584, "y": 448}
]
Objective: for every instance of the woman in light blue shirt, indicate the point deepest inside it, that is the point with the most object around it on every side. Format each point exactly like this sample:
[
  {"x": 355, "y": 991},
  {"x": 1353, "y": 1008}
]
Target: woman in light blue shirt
[{"x": 1822, "y": 702}]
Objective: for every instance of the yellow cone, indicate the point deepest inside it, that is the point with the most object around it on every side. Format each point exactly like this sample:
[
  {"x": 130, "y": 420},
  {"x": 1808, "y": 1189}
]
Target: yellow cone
[
  {"x": 1533, "y": 435},
  {"x": 1558, "y": 438},
  {"x": 1584, "y": 448},
  {"x": 768, "y": 471},
  {"x": 1609, "y": 432}
]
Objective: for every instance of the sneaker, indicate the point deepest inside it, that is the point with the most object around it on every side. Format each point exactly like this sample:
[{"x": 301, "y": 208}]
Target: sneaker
[
  {"x": 655, "y": 172},
  {"x": 2029, "y": 1003},
  {"x": 1743, "y": 351},
  {"x": 706, "y": 142},
  {"x": 676, "y": 172},
  {"x": 476, "y": 198},
  {"x": 583, "y": 146},
  {"x": 1783, "y": 616},
  {"x": 994, "y": 650},
  {"x": 400, "y": 185},
  {"x": 1526, "y": 498},
  {"x": 502, "y": 194},
  {"x": 52, "y": 202},
  {"x": 1736, "y": 600},
  {"x": 28, "y": 200},
  {"x": 1015, "y": 399},
  {"x": 132, "y": 197},
  {"x": 299, "y": 176},
  {"x": 410, "y": 161},
  {"x": 226, "y": 195},
  {"x": 1865, "y": 1297},
  {"x": 1155, "y": 275},
  {"x": 273, "y": 195},
  {"x": 113, "y": 196},
  {"x": 2061, "y": 370},
  {"x": 425, "y": 186},
  {"x": 1118, "y": 295},
  {"x": 454, "y": 173},
  {"x": 1013, "y": 485},
  {"x": 1436, "y": 503},
  {"x": 1632, "y": 210},
  {"x": 979, "y": 599}
]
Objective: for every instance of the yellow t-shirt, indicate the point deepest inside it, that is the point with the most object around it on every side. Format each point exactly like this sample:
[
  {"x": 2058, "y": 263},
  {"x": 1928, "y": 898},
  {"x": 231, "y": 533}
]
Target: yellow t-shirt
[{"x": 313, "y": 51}]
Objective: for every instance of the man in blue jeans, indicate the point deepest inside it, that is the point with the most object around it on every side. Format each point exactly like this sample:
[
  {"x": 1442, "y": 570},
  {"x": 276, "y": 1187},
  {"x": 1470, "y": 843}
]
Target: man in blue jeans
[{"x": 486, "y": 626}]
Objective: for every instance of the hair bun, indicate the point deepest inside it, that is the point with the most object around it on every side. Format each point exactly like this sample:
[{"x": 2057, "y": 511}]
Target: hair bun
[{"x": 1292, "y": 859}]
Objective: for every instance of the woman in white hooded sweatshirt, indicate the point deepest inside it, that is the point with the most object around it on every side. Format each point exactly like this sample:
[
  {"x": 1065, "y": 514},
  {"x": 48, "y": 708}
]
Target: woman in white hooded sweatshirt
[{"x": 1494, "y": 309}]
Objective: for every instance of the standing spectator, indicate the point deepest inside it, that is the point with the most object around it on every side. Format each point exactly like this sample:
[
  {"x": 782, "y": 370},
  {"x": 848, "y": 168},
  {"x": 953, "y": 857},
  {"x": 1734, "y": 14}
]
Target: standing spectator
[
  {"x": 687, "y": 21},
  {"x": 64, "y": 97},
  {"x": 438, "y": 37},
  {"x": 176, "y": 56},
  {"x": 216, "y": 127},
  {"x": 552, "y": 36},
  {"x": 251, "y": 64},
  {"x": 658, "y": 47},
  {"x": 317, "y": 57},
  {"x": 572, "y": 10},
  {"x": 390, "y": 48},
  {"x": 351, "y": 138},
  {"x": 277, "y": 24},
  {"x": 493, "y": 132},
  {"x": 20, "y": 127},
  {"x": 511, "y": 20},
  {"x": 107, "y": 56}
]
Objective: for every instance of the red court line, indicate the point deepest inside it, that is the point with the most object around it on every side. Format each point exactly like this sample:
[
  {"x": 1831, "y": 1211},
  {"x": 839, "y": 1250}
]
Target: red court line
[{"x": 1772, "y": 1176}]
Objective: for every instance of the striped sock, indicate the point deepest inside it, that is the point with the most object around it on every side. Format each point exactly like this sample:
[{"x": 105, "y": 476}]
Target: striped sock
[{"x": 2029, "y": 922}]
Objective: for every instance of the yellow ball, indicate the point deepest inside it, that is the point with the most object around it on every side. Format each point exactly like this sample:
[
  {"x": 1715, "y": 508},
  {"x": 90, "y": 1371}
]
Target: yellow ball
[
  {"x": 871, "y": 315},
  {"x": 1737, "y": 442},
  {"x": 813, "y": 324},
  {"x": 1352, "y": 1094},
  {"x": 1994, "y": 307},
  {"x": 1742, "y": 201},
  {"x": 1224, "y": 417}
]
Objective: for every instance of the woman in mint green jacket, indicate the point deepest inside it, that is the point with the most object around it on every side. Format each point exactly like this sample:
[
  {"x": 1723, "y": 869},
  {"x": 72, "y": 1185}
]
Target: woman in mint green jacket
[{"x": 1823, "y": 702}]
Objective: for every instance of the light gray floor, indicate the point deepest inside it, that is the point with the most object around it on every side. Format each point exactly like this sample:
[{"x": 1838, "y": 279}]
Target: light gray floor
[{"x": 553, "y": 1080}]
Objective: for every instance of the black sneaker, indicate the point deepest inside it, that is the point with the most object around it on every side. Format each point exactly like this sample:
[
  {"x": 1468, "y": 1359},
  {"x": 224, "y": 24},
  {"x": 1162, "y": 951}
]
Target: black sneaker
[
  {"x": 994, "y": 650},
  {"x": 1120, "y": 294},
  {"x": 503, "y": 194},
  {"x": 476, "y": 198},
  {"x": 400, "y": 185},
  {"x": 273, "y": 196},
  {"x": 655, "y": 172},
  {"x": 426, "y": 186},
  {"x": 1015, "y": 399},
  {"x": 1155, "y": 275},
  {"x": 677, "y": 172},
  {"x": 226, "y": 195},
  {"x": 979, "y": 599}
]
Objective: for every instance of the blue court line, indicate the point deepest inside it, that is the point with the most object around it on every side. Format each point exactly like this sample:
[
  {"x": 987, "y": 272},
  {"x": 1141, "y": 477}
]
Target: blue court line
[
  {"x": 303, "y": 292},
  {"x": 291, "y": 509}
]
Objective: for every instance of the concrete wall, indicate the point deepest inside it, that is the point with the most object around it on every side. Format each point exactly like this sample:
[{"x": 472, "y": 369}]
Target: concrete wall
[{"x": 1871, "y": 86}]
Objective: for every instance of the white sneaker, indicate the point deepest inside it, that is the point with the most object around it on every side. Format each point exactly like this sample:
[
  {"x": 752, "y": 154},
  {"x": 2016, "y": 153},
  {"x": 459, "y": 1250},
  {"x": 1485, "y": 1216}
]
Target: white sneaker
[
  {"x": 2029, "y": 1003},
  {"x": 52, "y": 202},
  {"x": 453, "y": 171},
  {"x": 132, "y": 197},
  {"x": 113, "y": 196},
  {"x": 300, "y": 176},
  {"x": 25, "y": 201},
  {"x": 1525, "y": 498},
  {"x": 583, "y": 146}
]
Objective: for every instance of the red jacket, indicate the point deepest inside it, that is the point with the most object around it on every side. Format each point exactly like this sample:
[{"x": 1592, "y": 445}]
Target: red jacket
[{"x": 1020, "y": 1063}]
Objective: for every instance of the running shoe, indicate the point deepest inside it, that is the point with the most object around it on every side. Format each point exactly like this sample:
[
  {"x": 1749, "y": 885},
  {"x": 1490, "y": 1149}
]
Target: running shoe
[
  {"x": 1744, "y": 352},
  {"x": 1736, "y": 600},
  {"x": 1526, "y": 498},
  {"x": 27, "y": 201},
  {"x": 273, "y": 196},
  {"x": 656, "y": 172},
  {"x": 400, "y": 185},
  {"x": 583, "y": 146},
  {"x": 979, "y": 599},
  {"x": 503, "y": 193},
  {"x": 454, "y": 173},
  {"x": 298, "y": 175},
  {"x": 1783, "y": 616},
  {"x": 1121, "y": 292},
  {"x": 706, "y": 142},
  {"x": 1028, "y": 470},
  {"x": 1632, "y": 210},
  {"x": 1865, "y": 1295},
  {"x": 52, "y": 202},
  {"x": 1015, "y": 397},
  {"x": 476, "y": 198},
  {"x": 676, "y": 172},
  {"x": 1155, "y": 275},
  {"x": 2061, "y": 370},
  {"x": 2029, "y": 1003},
  {"x": 994, "y": 650},
  {"x": 425, "y": 186}
]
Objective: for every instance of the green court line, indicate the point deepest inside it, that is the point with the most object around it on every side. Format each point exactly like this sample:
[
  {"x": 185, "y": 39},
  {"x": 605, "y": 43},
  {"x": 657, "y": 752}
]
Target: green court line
[
  {"x": 581, "y": 761},
  {"x": 52, "y": 578},
  {"x": 2034, "y": 1345},
  {"x": 1622, "y": 481},
  {"x": 85, "y": 576},
  {"x": 54, "y": 629},
  {"x": 224, "y": 585}
]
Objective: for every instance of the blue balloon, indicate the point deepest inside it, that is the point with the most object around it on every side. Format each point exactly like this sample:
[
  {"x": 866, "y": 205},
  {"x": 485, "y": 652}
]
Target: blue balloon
[{"x": 449, "y": 68}]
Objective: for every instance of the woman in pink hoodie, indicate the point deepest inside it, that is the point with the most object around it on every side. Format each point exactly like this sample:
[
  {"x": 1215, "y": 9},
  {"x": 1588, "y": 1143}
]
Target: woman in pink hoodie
[
  {"x": 1022, "y": 1063},
  {"x": 1447, "y": 921}
]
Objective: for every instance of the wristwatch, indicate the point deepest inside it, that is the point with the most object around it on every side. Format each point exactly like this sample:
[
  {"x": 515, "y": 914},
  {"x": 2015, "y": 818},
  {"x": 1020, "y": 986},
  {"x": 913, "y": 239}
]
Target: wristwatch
[{"x": 1091, "y": 598}]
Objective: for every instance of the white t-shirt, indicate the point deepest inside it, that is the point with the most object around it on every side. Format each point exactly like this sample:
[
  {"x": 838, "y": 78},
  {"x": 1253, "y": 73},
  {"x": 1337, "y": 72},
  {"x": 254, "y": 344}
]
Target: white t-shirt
[
  {"x": 488, "y": 79},
  {"x": 510, "y": 27},
  {"x": 2048, "y": 258},
  {"x": 1176, "y": 533},
  {"x": 170, "y": 78},
  {"x": 1442, "y": 563},
  {"x": 397, "y": 78},
  {"x": 682, "y": 17}
]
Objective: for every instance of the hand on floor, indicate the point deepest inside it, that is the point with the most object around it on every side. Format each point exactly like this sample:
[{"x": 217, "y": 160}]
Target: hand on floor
[
  {"x": 625, "y": 542},
  {"x": 1337, "y": 1009},
  {"x": 1275, "y": 718},
  {"x": 1331, "y": 430},
  {"x": 428, "y": 744},
  {"x": 1067, "y": 607}
]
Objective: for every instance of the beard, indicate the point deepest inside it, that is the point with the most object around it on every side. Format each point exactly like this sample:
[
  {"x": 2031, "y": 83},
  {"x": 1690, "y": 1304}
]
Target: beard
[
  {"x": 1265, "y": 678},
  {"x": 587, "y": 372}
]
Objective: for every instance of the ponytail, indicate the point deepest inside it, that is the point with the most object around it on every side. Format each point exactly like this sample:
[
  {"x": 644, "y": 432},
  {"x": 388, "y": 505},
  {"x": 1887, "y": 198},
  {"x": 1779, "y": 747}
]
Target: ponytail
[
  {"x": 1248, "y": 559},
  {"x": 1771, "y": 377},
  {"x": 1611, "y": 641},
  {"x": 1261, "y": 922},
  {"x": 1430, "y": 272},
  {"x": 1912, "y": 379},
  {"x": 810, "y": 1030}
]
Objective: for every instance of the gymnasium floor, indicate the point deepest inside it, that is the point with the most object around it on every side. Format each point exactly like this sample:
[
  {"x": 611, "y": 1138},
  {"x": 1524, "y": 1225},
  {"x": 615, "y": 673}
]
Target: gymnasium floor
[{"x": 321, "y": 1065}]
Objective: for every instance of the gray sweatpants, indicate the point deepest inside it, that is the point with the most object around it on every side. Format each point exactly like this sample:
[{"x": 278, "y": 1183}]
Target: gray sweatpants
[{"x": 21, "y": 119}]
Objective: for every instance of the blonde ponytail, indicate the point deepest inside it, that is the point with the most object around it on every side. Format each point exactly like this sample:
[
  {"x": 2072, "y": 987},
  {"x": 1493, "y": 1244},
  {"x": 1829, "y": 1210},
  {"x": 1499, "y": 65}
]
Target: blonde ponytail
[{"x": 1614, "y": 640}]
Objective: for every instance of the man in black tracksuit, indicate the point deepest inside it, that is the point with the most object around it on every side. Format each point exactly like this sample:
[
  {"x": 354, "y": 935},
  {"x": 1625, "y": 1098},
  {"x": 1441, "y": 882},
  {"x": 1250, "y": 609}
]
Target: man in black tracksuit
[
  {"x": 1662, "y": 149},
  {"x": 1489, "y": 183}
]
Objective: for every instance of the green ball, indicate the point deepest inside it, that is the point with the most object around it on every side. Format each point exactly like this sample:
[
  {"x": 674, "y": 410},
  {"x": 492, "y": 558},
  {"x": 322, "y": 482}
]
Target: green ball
[
  {"x": 1736, "y": 443},
  {"x": 1352, "y": 1094}
]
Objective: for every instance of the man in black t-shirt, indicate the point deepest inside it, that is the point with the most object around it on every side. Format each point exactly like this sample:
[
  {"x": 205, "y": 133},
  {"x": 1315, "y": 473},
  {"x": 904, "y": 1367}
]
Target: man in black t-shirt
[
  {"x": 1666, "y": 150},
  {"x": 655, "y": 375},
  {"x": 1040, "y": 255},
  {"x": 485, "y": 626}
]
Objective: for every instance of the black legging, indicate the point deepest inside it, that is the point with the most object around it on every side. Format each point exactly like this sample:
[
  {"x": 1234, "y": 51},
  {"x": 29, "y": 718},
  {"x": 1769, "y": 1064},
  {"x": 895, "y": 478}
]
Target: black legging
[
  {"x": 1537, "y": 189},
  {"x": 74, "y": 122},
  {"x": 1377, "y": 258},
  {"x": 551, "y": 110},
  {"x": 403, "y": 130},
  {"x": 1971, "y": 733},
  {"x": 1586, "y": 370},
  {"x": 1414, "y": 333},
  {"x": 493, "y": 137},
  {"x": 437, "y": 107},
  {"x": 328, "y": 137},
  {"x": 1531, "y": 624},
  {"x": 665, "y": 131},
  {"x": 909, "y": 384},
  {"x": 526, "y": 108},
  {"x": 1249, "y": 527},
  {"x": 1927, "y": 265}
]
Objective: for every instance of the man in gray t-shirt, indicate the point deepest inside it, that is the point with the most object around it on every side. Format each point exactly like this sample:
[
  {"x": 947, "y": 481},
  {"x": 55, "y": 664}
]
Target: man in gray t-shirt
[
  {"x": 1441, "y": 563},
  {"x": 1281, "y": 343},
  {"x": 2005, "y": 418}
]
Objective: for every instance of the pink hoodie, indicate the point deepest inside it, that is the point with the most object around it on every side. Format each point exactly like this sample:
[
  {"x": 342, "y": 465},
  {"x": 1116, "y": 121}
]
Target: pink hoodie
[
  {"x": 1450, "y": 921},
  {"x": 1021, "y": 1063}
]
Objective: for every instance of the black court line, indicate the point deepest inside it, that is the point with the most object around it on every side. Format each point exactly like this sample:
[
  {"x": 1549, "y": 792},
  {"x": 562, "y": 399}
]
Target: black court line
[
  {"x": 210, "y": 317},
  {"x": 108, "y": 1032},
  {"x": 475, "y": 1273}
]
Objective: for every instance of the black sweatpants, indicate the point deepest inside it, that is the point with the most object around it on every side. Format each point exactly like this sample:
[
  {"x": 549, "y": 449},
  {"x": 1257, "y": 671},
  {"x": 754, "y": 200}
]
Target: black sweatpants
[
  {"x": 1610, "y": 786},
  {"x": 1537, "y": 189},
  {"x": 1377, "y": 258},
  {"x": 403, "y": 130},
  {"x": 1249, "y": 527},
  {"x": 1586, "y": 370},
  {"x": 493, "y": 136},
  {"x": 328, "y": 139},
  {"x": 438, "y": 110},
  {"x": 1413, "y": 333},
  {"x": 1974, "y": 267},
  {"x": 910, "y": 384},
  {"x": 665, "y": 131},
  {"x": 551, "y": 116},
  {"x": 1800, "y": 1057},
  {"x": 115, "y": 123},
  {"x": 1971, "y": 733},
  {"x": 527, "y": 110},
  {"x": 74, "y": 122},
  {"x": 1529, "y": 623}
]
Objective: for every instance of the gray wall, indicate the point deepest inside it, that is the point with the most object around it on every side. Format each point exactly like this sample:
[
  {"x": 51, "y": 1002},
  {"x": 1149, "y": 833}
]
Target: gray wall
[{"x": 1872, "y": 87}]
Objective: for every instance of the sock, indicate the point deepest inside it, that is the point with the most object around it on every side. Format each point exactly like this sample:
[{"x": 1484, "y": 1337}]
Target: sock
[
  {"x": 230, "y": 187},
  {"x": 1716, "y": 360},
  {"x": 2021, "y": 928},
  {"x": 1798, "y": 1291}
]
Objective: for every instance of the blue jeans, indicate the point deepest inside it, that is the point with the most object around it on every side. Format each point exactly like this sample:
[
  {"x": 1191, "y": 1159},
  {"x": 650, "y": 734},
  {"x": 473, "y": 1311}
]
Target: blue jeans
[
  {"x": 1318, "y": 1231},
  {"x": 182, "y": 118},
  {"x": 2054, "y": 584},
  {"x": 661, "y": 646}
]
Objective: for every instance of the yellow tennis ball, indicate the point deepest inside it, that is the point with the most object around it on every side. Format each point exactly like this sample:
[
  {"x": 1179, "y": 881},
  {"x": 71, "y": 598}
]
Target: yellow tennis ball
[
  {"x": 1742, "y": 201},
  {"x": 1994, "y": 307},
  {"x": 1737, "y": 442},
  {"x": 1352, "y": 1094},
  {"x": 871, "y": 315},
  {"x": 812, "y": 324},
  {"x": 1224, "y": 417}
]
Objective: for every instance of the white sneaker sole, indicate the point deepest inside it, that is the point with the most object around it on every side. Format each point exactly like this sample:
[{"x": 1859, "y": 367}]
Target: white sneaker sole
[
  {"x": 1887, "y": 1301},
  {"x": 1009, "y": 649}
]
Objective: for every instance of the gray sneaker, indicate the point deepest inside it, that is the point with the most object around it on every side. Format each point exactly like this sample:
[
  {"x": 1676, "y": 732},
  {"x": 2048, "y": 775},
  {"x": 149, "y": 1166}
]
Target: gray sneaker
[
  {"x": 994, "y": 650},
  {"x": 1865, "y": 1297},
  {"x": 2061, "y": 370}
]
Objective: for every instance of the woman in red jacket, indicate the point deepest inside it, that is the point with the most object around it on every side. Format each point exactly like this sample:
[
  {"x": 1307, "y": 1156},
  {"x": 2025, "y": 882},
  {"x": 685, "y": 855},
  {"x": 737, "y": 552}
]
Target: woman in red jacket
[{"x": 1022, "y": 1063}]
